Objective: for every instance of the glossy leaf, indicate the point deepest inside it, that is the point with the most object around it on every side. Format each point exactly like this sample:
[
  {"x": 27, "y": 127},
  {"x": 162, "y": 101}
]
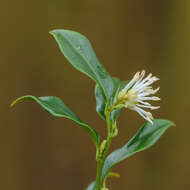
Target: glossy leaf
[
  {"x": 147, "y": 135},
  {"x": 101, "y": 102},
  {"x": 91, "y": 186},
  {"x": 57, "y": 108},
  {"x": 79, "y": 52}
]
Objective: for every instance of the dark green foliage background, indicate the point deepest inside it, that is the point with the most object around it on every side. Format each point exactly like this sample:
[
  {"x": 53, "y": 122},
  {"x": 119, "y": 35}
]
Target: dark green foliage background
[{"x": 45, "y": 153}]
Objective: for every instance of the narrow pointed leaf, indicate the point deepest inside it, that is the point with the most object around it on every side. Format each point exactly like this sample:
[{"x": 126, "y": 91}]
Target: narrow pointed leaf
[
  {"x": 101, "y": 102},
  {"x": 147, "y": 135},
  {"x": 118, "y": 85},
  {"x": 57, "y": 108},
  {"x": 91, "y": 186},
  {"x": 79, "y": 52}
]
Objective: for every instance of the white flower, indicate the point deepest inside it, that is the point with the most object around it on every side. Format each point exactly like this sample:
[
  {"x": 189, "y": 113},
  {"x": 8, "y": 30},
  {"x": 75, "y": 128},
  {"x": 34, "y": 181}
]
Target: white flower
[{"x": 135, "y": 94}]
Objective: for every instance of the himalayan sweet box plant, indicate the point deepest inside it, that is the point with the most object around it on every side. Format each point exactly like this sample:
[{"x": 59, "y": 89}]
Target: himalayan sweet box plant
[{"x": 111, "y": 96}]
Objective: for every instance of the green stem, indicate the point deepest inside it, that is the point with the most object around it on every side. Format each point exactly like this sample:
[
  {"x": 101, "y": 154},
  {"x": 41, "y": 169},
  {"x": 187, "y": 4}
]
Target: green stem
[
  {"x": 98, "y": 175},
  {"x": 102, "y": 155}
]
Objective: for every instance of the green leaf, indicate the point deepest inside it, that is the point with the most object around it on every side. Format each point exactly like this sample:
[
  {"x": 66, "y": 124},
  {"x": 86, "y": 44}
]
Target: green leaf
[
  {"x": 57, "y": 108},
  {"x": 118, "y": 85},
  {"x": 101, "y": 102},
  {"x": 91, "y": 186},
  {"x": 79, "y": 52},
  {"x": 147, "y": 135}
]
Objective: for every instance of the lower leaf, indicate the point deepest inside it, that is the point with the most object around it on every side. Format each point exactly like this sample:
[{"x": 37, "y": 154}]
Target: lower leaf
[{"x": 147, "y": 135}]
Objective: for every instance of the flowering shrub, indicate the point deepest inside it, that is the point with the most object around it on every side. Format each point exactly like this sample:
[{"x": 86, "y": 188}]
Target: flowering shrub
[{"x": 111, "y": 96}]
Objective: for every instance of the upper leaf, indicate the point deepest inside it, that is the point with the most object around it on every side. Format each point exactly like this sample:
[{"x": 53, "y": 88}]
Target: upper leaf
[
  {"x": 56, "y": 107},
  {"x": 91, "y": 186},
  {"x": 147, "y": 135},
  {"x": 79, "y": 52}
]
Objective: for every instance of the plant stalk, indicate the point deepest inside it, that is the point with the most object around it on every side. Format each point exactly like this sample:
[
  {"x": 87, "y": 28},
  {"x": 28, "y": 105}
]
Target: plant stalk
[{"x": 102, "y": 156}]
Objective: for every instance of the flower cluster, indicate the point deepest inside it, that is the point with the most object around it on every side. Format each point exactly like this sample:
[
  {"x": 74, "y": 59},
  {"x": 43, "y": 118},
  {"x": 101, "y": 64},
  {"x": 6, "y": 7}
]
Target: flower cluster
[{"x": 136, "y": 94}]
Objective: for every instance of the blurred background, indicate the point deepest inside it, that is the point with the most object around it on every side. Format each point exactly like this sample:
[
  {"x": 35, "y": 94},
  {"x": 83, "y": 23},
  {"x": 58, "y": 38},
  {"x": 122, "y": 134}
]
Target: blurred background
[{"x": 40, "y": 152}]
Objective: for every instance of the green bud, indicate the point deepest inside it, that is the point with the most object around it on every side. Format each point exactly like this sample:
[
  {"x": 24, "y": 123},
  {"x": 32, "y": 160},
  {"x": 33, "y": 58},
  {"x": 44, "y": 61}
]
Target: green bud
[
  {"x": 103, "y": 146},
  {"x": 115, "y": 132},
  {"x": 113, "y": 174}
]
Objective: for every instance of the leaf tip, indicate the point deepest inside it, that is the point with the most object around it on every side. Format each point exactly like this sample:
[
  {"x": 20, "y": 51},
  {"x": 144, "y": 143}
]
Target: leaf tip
[
  {"x": 13, "y": 103},
  {"x": 171, "y": 124},
  {"x": 52, "y": 32},
  {"x": 167, "y": 122},
  {"x": 55, "y": 32},
  {"x": 20, "y": 99}
]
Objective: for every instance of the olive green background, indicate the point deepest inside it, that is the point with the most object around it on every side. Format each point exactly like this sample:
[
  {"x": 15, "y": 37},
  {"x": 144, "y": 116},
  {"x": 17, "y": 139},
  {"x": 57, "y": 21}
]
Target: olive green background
[{"x": 39, "y": 152}]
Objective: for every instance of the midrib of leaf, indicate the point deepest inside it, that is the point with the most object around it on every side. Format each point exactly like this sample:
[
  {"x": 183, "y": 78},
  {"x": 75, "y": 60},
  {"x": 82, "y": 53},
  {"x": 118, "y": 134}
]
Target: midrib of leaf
[
  {"x": 126, "y": 152},
  {"x": 91, "y": 67},
  {"x": 65, "y": 114},
  {"x": 76, "y": 119}
]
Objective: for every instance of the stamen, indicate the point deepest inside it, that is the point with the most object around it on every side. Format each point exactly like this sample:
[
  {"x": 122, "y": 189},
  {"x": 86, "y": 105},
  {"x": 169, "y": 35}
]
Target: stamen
[
  {"x": 141, "y": 76},
  {"x": 148, "y": 91},
  {"x": 150, "y": 98},
  {"x": 143, "y": 81},
  {"x": 149, "y": 115},
  {"x": 139, "y": 111},
  {"x": 148, "y": 106},
  {"x": 148, "y": 119},
  {"x": 135, "y": 78},
  {"x": 145, "y": 103},
  {"x": 137, "y": 91}
]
